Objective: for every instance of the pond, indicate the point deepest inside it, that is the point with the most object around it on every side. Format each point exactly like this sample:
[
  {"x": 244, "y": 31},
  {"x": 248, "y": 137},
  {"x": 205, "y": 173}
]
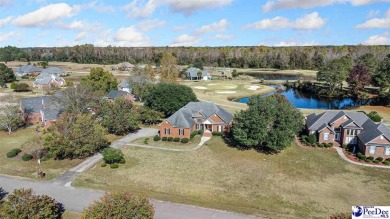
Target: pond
[{"x": 308, "y": 101}]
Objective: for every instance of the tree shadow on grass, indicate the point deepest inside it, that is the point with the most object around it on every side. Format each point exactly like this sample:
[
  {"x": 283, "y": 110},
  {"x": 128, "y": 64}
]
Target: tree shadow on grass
[
  {"x": 260, "y": 148},
  {"x": 2, "y": 194}
]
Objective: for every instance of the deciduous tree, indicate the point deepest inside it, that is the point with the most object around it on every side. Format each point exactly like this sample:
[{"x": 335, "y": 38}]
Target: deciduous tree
[
  {"x": 168, "y": 98},
  {"x": 10, "y": 118},
  {"x": 99, "y": 79},
  {"x": 168, "y": 69},
  {"x": 6, "y": 75},
  {"x": 24, "y": 204},
  {"x": 75, "y": 136},
  {"x": 120, "y": 205},
  {"x": 358, "y": 78},
  {"x": 270, "y": 123}
]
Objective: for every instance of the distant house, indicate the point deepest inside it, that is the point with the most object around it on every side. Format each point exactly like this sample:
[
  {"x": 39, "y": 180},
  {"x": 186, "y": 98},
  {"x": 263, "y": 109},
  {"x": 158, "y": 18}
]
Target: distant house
[
  {"x": 192, "y": 74},
  {"x": 40, "y": 109},
  {"x": 124, "y": 66},
  {"x": 28, "y": 70},
  {"x": 54, "y": 71},
  {"x": 45, "y": 80},
  {"x": 196, "y": 116},
  {"x": 124, "y": 86},
  {"x": 351, "y": 128},
  {"x": 115, "y": 94}
]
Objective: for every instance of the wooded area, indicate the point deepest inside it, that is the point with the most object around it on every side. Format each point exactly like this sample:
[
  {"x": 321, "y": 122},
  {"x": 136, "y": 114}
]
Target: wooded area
[{"x": 310, "y": 57}]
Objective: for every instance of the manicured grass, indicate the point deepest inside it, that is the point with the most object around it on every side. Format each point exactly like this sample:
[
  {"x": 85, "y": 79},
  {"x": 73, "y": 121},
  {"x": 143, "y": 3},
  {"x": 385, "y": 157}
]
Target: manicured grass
[
  {"x": 24, "y": 139},
  {"x": 218, "y": 91},
  {"x": 297, "y": 183},
  {"x": 165, "y": 144}
]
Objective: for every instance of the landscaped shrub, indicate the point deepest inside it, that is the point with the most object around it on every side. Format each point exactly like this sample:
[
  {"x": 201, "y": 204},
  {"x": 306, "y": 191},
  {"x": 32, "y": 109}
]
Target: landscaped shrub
[
  {"x": 184, "y": 140},
  {"x": 27, "y": 157},
  {"x": 114, "y": 165},
  {"x": 380, "y": 159},
  {"x": 200, "y": 132},
  {"x": 376, "y": 161},
  {"x": 193, "y": 134},
  {"x": 313, "y": 144},
  {"x": 13, "y": 152},
  {"x": 103, "y": 165},
  {"x": 312, "y": 138},
  {"x": 304, "y": 138},
  {"x": 330, "y": 144},
  {"x": 170, "y": 139},
  {"x": 22, "y": 87},
  {"x": 343, "y": 146},
  {"x": 112, "y": 155},
  {"x": 217, "y": 133},
  {"x": 370, "y": 158},
  {"x": 386, "y": 162},
  {"x": 387, "y": 159},
  {"x": 176, "y": 139},
  {"x": 361, "y": 156},
  {"x": 374, "y": 116},
  {"x": 146, "y": 141},
  {"x": 324, "y": 144},
  {"x": 164, "y": 138},
  {"x": 156, "y": 138}
]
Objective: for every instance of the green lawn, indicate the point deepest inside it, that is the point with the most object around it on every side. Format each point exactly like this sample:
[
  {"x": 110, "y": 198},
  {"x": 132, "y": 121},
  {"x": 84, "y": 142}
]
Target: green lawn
[
  {"x": 25, "y": 139},
  {"x": 165, "y": 144},
  {"x": 297, "y": 183}
]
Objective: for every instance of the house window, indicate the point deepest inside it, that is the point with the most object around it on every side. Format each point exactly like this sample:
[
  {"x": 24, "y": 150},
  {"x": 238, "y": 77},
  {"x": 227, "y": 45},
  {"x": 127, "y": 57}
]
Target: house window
[
  {"x": 372, "y": 149},
  {"x": 181, "y": 131},
  {"x": 220, "y": 128},
  {"x": 326, "y": 136},
  {"x": 198, "y": 126},
  {"x": 351, "y": 132},
  {"x": 337, "y": 129},
  {"x": 337, "y": 136},
  {"x": 167, "y": 131},
  {"x": 387, "y": 151}
]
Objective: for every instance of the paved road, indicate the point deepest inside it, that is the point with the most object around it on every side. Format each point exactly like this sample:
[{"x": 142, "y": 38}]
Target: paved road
[
  {"x": 201, "y": 143},
  {"x": 75, "y": 199},
  {"x": 68, "y": 177}
]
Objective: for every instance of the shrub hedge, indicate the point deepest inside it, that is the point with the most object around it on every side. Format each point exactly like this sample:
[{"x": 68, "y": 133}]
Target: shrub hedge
[
  {"x": 114, "y": 165},
  {"x": 200, "y": 132},
  {"x": 156, "y": 138},
  {"x": 170, "y": 139},
  {"x": 370, "y": 158},
  {"x": 164, "y": 138},
  {"x": 13, "y": 153},
  {"x": 193, "y": 134},
  {"x": 217, "y": 133},
  {"x": 176, "y": 139},
  {"x": 184, "y": 140},
  {"x": 380, "y": 159},
  {"x": 27, "y": 157}
]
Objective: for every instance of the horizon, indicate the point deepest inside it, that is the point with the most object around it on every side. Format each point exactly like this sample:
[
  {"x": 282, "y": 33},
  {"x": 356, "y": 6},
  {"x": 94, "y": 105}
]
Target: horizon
[{"x": 206, "y": 23}]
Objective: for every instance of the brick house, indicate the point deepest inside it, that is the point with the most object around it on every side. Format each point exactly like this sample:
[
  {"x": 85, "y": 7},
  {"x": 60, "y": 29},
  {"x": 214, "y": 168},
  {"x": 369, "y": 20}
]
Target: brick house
[
  {"x": 196, "y": 116},
  {"x": 351, "y": 128},
  {"x": 43, "y": 110}
]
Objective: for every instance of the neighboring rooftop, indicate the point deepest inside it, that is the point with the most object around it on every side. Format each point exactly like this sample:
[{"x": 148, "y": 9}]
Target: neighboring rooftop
[
  {"x": 124, "y": 84},
  {"x": 53, "y": 70},
  {"x": 193, "y": 72},
  {"x": 184, "y": 117},
  {"x": 26, "y": 69},
  {"x": 45, "y": 104},
  {"x": 116, "y": 94}
]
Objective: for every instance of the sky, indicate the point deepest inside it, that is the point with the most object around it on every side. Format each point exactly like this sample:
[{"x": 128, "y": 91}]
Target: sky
[{"x": 135, "y": 23}]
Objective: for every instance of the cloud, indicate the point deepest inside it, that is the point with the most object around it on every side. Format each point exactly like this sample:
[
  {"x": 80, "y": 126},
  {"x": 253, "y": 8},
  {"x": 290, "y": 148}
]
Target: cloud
[
  {"x": 5, "y": 2},
  {"x": 223, "y": 37},
  {"x": 273, "y": 5},
  {"x": 130, "y": 36},
  {"x": 5, "y": 21},
  {"x": 380, "y": 39},
  {"x": 219, "y": 26},
  {"x": 145, "y": 8},
  {"x": 307, "y": 22},
  {"x": 150, "y": 24},
  {"x": 185, "y": 40},
  {"x": 80, "y": 25},
  {"x": 6, "y": 36},
  {"x": 99, "y": 7},
  {"x": 377, "y": 22},
  {"x": 295, "y": 43},
  {"x": 47, "y": 14},
  {"x": 373, "y": 13},
  {"x": 81, "y": 36}
]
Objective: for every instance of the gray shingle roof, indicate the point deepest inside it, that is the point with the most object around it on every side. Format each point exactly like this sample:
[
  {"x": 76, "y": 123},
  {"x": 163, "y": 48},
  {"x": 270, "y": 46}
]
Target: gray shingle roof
[
  {"x": 124, "y": 84},
  {"x": 27, "y": 69},
  {"x": 45, "y": 78},
  {"x": 193, "y": 72},
  {"x": 46, "y": 104},
  {"x": 370, "y": 131},
  {"x": 115, "y": 94},
  {"x": 53, "y": 70},
  {"x": 183, "y": 118}
]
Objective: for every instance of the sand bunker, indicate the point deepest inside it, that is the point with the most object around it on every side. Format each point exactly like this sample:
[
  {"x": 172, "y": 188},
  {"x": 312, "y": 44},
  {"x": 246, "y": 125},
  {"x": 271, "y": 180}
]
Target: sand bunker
[
  {"x": 200, "y": 87},
  {"x": 253, "y": 87},
  {"x": 226, "y": 92}
]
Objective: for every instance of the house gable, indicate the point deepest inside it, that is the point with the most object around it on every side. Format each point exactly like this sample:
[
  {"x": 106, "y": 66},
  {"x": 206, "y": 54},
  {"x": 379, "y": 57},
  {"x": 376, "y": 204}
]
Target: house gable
[{"x": 380, "y": 140}]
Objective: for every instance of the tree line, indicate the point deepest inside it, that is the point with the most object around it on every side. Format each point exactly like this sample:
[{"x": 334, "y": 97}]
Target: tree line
[{"x": 309, "y": 57}]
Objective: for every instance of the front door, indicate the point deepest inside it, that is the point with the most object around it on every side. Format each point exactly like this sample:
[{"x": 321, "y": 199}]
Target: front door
[
  {"x": 209, "y": 127},
  {"x": 337, "y": 136}
]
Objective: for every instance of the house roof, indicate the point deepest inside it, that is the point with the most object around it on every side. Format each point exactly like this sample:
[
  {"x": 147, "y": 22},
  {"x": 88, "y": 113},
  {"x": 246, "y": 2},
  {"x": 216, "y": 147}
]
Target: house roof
[
  {"x": 115, "y": 94},
  {"x": 45, "y": 78},
  {"x": 371, "y": 130},
  {"x": 124, "y": 84},
  {"x": 27, "y": 69},
  {"x": 183, "y": 118},
  {"x": 45, "y": 104},
  {"x": 53, "y": 70},
  {"x": 193, "y": 72}
]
